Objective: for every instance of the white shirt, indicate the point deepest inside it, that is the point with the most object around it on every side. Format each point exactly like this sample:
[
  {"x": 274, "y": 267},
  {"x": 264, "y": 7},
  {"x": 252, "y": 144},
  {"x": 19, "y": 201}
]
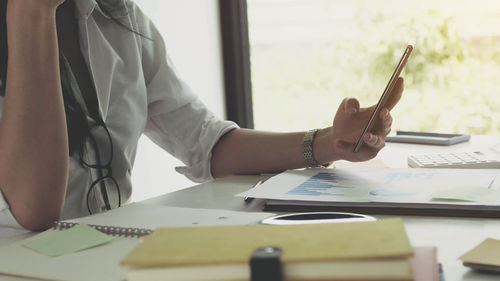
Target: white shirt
[{"x": 138, "y": 92}]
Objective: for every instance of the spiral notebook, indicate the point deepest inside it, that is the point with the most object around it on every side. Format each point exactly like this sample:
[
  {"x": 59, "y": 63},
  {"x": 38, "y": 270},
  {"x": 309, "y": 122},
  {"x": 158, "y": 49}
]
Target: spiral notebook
[
  {"x": 116, "y": 231},
  {"x": 102, "y": 262},
  {"x": 95, "y": 263},
  {"x": 87, "y": 257}
]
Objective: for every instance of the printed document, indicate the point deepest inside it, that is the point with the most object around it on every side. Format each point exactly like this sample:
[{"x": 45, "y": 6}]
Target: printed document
[{"x": 462, "y": 186}]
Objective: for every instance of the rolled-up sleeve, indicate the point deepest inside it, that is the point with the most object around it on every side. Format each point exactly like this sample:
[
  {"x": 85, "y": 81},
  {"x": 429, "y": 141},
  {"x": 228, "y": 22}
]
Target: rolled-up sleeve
[
  {"x": 177, "y": 120},
  {"x": 189, "y": 133}
]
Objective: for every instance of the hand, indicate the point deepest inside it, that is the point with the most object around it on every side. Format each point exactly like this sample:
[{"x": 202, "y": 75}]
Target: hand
[{"x": 350, "y": 121}]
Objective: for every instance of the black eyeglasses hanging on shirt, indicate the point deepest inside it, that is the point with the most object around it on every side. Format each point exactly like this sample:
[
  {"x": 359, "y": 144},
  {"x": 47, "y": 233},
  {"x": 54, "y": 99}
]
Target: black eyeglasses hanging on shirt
[
  {"x": 102, "y": 164},
  {"x": 87, "y": 126}
]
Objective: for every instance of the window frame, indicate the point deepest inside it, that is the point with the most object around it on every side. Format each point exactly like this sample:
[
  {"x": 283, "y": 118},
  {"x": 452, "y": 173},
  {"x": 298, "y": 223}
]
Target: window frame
[{"x": 236, "y": 61}]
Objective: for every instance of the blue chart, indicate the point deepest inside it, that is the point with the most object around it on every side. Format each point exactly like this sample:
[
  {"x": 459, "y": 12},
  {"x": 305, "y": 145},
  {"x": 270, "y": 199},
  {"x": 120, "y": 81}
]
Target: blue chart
[
  {"x": 320, "y": 184},
  {"x": 401, "y": 177},
  {"x": 390, "y": 193}
]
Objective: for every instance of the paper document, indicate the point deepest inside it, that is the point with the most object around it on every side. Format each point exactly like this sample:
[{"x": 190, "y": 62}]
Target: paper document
[
  {"x": 383, "y": 185},
  {"x": 150, "y": 216}
]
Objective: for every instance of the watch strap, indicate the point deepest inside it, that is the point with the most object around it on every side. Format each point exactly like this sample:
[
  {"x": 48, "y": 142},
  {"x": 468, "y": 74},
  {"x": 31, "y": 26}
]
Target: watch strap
[{"x": 307, "y": 149}]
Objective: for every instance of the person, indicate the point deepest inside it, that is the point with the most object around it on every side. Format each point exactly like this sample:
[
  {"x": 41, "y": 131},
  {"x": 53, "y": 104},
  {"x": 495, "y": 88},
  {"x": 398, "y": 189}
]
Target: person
[{"x": 82, "y": 80}]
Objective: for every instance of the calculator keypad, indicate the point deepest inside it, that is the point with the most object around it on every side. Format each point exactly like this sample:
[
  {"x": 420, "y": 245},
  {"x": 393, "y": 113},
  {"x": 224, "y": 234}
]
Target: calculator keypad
[{"x": 467, "y": 160}]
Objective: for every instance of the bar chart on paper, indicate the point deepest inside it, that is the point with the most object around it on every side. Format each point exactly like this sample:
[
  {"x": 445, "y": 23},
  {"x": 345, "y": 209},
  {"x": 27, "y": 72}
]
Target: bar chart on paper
[
  {"x": 382, "y": 185},
  {"x": 320, "y": 184}
]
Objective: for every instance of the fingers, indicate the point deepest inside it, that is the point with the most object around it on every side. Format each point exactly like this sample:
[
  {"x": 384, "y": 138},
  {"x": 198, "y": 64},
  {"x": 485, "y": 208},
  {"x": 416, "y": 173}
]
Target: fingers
[
  {"x": 344, "y": 151},
  {"x": 350, "y": 120},
  {"x": 374, "y": 141},
  {"x": 385, "y": 121},
  {"x": 396, "y": 93}
]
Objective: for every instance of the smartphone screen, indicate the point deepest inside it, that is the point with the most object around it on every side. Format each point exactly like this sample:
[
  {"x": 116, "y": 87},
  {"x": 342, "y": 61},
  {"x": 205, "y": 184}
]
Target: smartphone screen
[{"x": 385, "y": 97}]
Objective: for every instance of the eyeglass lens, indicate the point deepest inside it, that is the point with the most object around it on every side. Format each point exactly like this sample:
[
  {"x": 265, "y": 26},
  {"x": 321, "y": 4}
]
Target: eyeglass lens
[{"x": 99, "y": 201}]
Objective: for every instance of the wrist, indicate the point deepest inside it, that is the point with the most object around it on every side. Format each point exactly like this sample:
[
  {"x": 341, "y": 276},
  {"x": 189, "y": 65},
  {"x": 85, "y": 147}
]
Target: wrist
[
  {"x": 310, "y": 151},
  {"x": 323, "y": 146}
]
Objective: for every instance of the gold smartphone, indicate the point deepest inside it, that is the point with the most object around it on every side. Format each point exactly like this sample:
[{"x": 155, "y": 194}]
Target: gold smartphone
[{"x": 385, "y": 96}]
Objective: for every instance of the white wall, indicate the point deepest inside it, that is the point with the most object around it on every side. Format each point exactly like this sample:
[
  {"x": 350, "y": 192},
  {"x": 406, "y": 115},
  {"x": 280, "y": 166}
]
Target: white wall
[{"x": 192, "y": 36}]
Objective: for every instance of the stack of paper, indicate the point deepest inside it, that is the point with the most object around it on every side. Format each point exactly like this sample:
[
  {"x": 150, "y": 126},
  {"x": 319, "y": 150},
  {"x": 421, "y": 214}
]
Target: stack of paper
[
  {"x": 445, "y": 192},
  {"x": 377, "y": 250}
]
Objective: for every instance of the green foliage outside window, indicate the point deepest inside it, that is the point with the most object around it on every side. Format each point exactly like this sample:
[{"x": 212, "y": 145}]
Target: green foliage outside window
[{"x": 452, "y": 82}]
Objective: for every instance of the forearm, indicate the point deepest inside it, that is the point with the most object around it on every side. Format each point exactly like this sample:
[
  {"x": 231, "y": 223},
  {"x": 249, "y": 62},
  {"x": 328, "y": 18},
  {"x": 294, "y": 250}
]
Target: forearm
[
  {"x": 33, "y": 136},
  {"x": 243, "y": 151}
]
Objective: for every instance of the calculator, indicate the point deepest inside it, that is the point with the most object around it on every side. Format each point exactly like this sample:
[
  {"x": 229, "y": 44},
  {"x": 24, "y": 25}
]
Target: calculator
[{"x": 466, "y": 160}]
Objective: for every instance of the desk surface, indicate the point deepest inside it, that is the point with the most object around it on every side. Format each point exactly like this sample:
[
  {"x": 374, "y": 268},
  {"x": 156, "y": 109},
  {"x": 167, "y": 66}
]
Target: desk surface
[{"x": 452, "y": 236}]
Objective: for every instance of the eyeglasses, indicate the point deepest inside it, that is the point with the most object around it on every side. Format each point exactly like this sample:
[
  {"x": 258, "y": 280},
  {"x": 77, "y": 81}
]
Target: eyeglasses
[
  {"x": 104, "y": 188},
  {"x": 105, "y": 185}
]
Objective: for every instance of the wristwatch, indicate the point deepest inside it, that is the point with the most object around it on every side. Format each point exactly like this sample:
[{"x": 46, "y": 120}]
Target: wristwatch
[{"x": 307, "y": 150}]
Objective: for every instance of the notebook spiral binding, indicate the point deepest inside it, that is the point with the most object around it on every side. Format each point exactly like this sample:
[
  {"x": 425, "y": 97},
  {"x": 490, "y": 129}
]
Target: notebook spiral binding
[{"x": 111, "y": 230}]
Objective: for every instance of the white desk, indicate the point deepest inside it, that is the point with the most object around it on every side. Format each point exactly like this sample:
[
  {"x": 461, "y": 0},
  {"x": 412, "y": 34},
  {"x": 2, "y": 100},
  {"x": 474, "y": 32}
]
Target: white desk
[{"x": 452, "y": 236}]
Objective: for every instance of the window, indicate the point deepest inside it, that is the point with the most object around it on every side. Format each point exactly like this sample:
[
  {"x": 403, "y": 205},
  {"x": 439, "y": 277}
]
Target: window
[
  {"x": 191, "y": 33},
  {"x": 306, "y": 56}
]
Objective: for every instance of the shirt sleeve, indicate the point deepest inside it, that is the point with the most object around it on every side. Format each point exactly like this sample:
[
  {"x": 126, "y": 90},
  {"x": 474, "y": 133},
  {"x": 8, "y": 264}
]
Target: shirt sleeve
[
  {"x": 177, "y": 120},
  {"x": 7, "y": 220}
]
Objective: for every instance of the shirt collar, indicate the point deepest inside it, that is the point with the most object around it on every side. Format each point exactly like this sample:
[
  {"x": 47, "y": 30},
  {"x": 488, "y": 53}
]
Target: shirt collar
[{"x": 84, "y": 9}]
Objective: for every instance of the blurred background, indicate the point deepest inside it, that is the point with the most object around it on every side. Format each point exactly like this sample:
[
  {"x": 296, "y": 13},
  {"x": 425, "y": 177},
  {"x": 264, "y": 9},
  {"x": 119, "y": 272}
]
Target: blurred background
[
  {"x": 191, "y": 32},
  {"x": 307, "y": 56}
]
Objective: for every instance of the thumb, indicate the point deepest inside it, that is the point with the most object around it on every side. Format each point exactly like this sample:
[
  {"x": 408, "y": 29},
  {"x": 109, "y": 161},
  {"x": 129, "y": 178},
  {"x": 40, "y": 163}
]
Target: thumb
[{"x": 351, "y": 105}]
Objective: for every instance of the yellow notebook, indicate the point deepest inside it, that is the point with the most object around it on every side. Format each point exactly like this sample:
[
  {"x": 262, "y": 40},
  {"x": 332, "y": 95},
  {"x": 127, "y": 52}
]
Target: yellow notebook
[
  {"x": 485, "y": 256},
  {"x": 327, "y": 251}
]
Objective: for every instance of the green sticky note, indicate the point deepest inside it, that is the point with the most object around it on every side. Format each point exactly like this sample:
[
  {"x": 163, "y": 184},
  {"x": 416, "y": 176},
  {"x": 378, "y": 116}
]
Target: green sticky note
[
  {"x": 471, "y": 194},
  {"x": 67, "y": 241}
]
